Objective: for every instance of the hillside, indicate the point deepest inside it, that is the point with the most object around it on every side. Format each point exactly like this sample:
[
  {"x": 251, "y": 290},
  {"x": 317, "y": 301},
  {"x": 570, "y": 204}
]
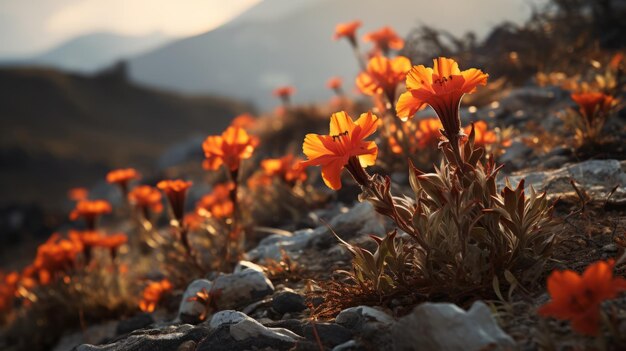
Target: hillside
[{"x": 65, "y": 127}]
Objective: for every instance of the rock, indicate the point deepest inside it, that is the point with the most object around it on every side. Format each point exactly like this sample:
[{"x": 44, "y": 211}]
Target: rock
[
  {"x": 516, "y": 155},
  {"x": 190, "y": 311},
  {"x": 350, "y": 345},
  {"x": 241, "y": 265},
  {"x": 232, "y": 330},
  {"x": 141, "y": 320},
  {"x": 445, "y": 326},
  {"x": 360, "y": 316},
  {"x": 92, "y": 335},
  {"x": 288, "y": 301},
  {"x": 361, "y": 219},
  {"x": 233, "y": 291},
  {"x": 372, "y": 325},
  {"x": 597, "y": 178},
  {"x": 163, "y": 339},
  {"x": 330, "y": 334}
]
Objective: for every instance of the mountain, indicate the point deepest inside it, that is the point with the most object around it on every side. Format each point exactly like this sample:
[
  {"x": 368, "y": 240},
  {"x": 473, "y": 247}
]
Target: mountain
[
  {"x": 64, "y": 130},
  {"x": 289, "y": 42},
  {"x": 92, "y": 52}
]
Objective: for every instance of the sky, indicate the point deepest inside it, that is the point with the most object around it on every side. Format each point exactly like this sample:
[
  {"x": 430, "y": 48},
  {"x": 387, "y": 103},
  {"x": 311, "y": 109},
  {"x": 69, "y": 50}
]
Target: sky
[{"x": 33, "y": 26}]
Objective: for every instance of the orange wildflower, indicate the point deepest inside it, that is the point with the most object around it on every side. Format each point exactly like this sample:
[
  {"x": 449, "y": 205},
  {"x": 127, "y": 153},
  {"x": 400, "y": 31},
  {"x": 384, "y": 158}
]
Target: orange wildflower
[
  {"x": 153, "y": 293},
  {"x": 245, "y": 121},
  {"x": 577, "y": 298},
  {"x": 441, "y": 87},
  {"x": 482, "y": 135},
  {"x": 8, "y": 289},
  {"x": 334, "y": 83},
  {"x": 593, "y": 104},
  {"x": 90, "y": 210},
  {"x": 428, "y": 132},
  {"x": 175, "y": 191},
  {"x": 384, "y": 39},
  {"x": 229, "y": 149},
  {"x": 78, "y": 194},
  {"x": 122, "y": 177},
  {"x": 347, "y": 30},
  {"x": 287, "y": 168},
  {"x": 218, "y": 203},
  {"x": 55, "y": 255},
  {"x": 91, "y": 239},
  {"x": 343, "y": 147},
  {"x": 145, "y": 197},
  {"x": 383, "y": 76},
  {"x": 284, "y": 93}
]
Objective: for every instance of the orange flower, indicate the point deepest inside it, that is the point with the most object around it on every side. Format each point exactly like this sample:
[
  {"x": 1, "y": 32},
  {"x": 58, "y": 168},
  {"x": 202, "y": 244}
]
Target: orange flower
[
  {"x": 593, "y": 104},
  {"x": 347, "y": 30},
  {"x": 153, "y": 293},
  {"x": 122, "y": 177},
  {"x": 90, "y": 210},
  {"x": 245, "y": 121},
  {"x": 8, "y": 289},
  {"x": 284, "y": 93},
  {"x": 428, "y": 132},
  {"x": 384, "y": 39},
  {"x": 113, "y": 241},
  {"x": 482, "y": 135},
  {"x": 577, "y": 298},
  {"x": 334, "y": 83},
  {"x": 441, "y": 87},
  {"x": 55, "y": 255},
  {"x": 146, "y": 197},
  {"x": 229, "y": 149},
  {"x": 78, "y": 194},
  {"x": 175, "y": 191},
  {"x": 218, "y": 203},
  {"x": 344, "y": 144},
  {"x": 383, "y": 76},
  {"x": 287, "y": 168}
]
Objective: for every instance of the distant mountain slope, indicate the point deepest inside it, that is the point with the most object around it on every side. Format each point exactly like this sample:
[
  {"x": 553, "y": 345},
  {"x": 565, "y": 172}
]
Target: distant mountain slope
[
  {"x": 274, "y": 43},
  {"x": 64, "y": 129},
  {"x": 92, "y": 52}
]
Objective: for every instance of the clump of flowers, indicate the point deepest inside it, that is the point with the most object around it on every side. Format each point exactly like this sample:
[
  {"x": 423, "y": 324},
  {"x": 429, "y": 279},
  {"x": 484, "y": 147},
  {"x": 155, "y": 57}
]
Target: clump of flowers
[
  {"x": 122, "y": 177},
  {"x": 578, "y": 298},
  {"x": 384, "y": 39},
  {"x": 153, "y": 293},
  {"x": 462, "y": 233},
  {"x": 218, "y": 204},
  {"x": 594, "y": 108},
  {"x": 147, "y": 200},
  {"x": 90, "y": 211}
]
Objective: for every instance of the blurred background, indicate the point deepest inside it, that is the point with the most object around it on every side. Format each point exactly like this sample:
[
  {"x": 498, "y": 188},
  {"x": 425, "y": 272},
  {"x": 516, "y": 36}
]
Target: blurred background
[{"x": 91, "y": 85}]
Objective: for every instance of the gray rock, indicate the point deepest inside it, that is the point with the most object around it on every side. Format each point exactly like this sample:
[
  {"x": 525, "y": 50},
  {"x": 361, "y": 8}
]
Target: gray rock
[
  {"x": 235, "y": 291},
  {"x": 445, "y": 326},
  {"x": 330, "y": 334},
  {"x": 358, "y": 317},
  {"x": 288, "y": 301},
  {"x": 598, "y": 178},
  {"x": 241, "y": 265},
  {"x": 350, "y": 345},
  {"x": 141, "y": 320},
  {"x": 361, "y": 219},
  {"x": 163, "y": 339},
  {"x": 232, "y": 330},
  {"x": 516, "y": 155}
]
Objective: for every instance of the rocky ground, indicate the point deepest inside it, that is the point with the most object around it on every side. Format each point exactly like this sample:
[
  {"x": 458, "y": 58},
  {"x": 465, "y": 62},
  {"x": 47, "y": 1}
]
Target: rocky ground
[{"x": 261, "y": 311}]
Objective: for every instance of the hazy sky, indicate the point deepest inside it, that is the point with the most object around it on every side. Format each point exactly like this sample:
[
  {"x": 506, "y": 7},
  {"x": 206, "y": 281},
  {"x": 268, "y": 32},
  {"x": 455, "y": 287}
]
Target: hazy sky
[{"x": 32, "y": 26}]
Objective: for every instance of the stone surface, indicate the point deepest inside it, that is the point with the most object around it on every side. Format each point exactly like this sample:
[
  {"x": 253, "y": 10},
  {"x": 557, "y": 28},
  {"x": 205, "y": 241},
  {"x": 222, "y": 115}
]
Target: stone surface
[
  {"x": 358, "y": 317},
  {"x": 445, "y": 326},
  {"x": 330, "y": 334},
  {"x": 596, "y": 177},
  {"x": 232, "y": 330},
  {"x": 141, "y": 320},
  {"x": 361, "y": 219},
  {"x": 163, "y": 339},
  {"x": 288, "y": 301},
  {"x": 234, "y": 291}
]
